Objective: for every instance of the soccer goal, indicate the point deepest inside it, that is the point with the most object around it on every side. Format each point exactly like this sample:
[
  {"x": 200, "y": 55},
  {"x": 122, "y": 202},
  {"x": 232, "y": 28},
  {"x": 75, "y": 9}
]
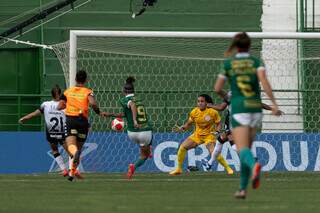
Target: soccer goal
[{"x": 173, "y": 68}]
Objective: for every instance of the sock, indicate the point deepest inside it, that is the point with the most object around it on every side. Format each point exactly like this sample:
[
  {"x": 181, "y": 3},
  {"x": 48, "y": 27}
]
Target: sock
[
  {"x": 70, "y": 162},
  {"x": 139, "y": 163},
  {"x": 181, "y": 155},
  {"x": 247, "y": 163},
  {"x": 244, "y": 176},
  {"x": 215, "y": 153},
  {"x": 223, "y": 162},
  {"x": 58, "y": 158},
  {"x": 247, "y": 157}
]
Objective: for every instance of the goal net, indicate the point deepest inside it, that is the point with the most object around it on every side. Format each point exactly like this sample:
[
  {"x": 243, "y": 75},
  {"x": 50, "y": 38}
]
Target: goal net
[{"x": 172, "y": 69}]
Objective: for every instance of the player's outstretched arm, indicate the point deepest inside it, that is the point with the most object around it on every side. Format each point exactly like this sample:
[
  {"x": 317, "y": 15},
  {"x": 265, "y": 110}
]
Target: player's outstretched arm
[
  {"x": 267, "y": 107},
  {"x": 29, "y": 116},
  {"x": 182, "y": 128},
  {"x": 112, "y": 114},
  {"x": 268, "y": 90},
  {"x": 95, "y": 107},
  {"x": 218, "y": 87},
  {"x": 218, "y": 126},
  {"x": 218, "y": 107}
]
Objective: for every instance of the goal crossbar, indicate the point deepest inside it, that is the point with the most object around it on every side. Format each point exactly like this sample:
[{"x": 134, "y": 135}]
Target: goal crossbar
[{"x": 74, "y": 34}]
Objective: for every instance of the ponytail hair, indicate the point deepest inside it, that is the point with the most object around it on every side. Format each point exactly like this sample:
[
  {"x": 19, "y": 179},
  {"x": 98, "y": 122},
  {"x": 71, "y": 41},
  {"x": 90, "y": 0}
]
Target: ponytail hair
[
  {"x": 130, "y": 80},
  {"x": 241, "y": 41},
  {"x": 55, "y": 91},
  {"x": 128, "y": 86}
]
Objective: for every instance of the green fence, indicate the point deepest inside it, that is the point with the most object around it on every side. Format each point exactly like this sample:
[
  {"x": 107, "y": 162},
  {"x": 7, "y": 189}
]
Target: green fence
[
  {"x": 14, "y": 106},
  {"x": 309, "y": 16}
]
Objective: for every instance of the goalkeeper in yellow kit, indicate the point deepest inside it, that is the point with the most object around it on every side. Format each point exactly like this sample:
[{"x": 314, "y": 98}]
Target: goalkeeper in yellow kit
[{"x": 206, "y": 120}]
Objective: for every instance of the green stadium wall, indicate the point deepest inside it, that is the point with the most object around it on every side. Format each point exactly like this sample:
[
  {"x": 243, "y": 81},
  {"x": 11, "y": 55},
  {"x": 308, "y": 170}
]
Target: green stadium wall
[{"x": 44, "y": 69}]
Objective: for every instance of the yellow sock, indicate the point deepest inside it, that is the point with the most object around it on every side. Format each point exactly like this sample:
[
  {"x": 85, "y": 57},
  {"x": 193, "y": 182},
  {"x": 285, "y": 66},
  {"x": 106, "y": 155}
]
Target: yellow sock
[
  {"x": 181, "y": 155},
  {"x": 223, "y": 162}
]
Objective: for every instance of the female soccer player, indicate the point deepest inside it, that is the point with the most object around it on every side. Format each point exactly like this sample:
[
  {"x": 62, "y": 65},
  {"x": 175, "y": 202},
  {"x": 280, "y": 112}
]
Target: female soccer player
[
  {"x": 55, "y": 122},
  {"x": 226, "y": 134},
  {"x": 76, "y": 101},
  {"x": 206, "y": 120},
  {"x": 244, "y": 73},
  {"x": 139, "y": 129}
]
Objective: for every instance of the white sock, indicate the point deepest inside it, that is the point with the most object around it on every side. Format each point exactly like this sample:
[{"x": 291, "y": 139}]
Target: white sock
[
  {"x": 70, "y": 162},
  {"x": 216, "y": 152},
  {"x": 60, "y": 162}
]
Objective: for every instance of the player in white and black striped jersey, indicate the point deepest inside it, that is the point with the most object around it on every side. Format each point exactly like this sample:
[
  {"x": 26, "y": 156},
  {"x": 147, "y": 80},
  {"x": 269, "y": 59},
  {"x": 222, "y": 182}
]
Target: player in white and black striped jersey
[{"x": 55, "y": 125}]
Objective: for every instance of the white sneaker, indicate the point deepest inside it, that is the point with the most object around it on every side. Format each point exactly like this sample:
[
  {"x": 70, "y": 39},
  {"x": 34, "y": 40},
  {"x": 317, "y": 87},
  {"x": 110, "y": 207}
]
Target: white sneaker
[{"x": 205, "y": 165}]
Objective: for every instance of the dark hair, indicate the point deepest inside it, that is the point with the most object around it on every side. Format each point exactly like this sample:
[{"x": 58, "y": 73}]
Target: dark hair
[
  {"x": 128, "y": 86},
  {"x": 241, "y": 41},
  {"x": 207, "y": 98},
  {"x": 81, "y": 76},
  {"x": 55, "y": 91}
]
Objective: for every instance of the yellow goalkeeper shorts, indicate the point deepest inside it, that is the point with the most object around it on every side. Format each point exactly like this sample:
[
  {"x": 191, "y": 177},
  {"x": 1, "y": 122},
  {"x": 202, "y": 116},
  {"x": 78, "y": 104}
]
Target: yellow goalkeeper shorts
[{"x": 202, "y": 139}]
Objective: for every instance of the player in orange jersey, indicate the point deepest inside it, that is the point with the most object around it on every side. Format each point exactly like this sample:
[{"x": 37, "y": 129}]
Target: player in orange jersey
[{"x": 76, "y": 101}]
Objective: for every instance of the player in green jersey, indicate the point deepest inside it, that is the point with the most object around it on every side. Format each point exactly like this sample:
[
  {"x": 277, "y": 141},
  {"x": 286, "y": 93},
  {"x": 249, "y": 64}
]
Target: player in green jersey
[
  {"x": 138, "y": 126},
  {"x": 244, "y": 73}
]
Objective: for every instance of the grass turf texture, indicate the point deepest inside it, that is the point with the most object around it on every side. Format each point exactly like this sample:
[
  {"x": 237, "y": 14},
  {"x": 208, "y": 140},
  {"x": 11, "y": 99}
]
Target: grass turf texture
[{"x": 155, "y": 192}]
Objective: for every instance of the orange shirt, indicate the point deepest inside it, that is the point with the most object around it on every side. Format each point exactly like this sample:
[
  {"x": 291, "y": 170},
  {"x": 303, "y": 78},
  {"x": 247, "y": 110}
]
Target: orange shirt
[{"x": 77, "y": 101}]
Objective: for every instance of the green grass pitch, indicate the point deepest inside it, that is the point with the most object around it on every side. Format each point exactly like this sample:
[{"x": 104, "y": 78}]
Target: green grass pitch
[{"x": 158, "y": 192}]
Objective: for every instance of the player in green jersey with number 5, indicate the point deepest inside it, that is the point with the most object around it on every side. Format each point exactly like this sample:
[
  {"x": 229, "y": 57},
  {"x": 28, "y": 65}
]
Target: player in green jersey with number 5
[
  {"x": 138, "y": 127},
  {"x": 244, "y": 72}
]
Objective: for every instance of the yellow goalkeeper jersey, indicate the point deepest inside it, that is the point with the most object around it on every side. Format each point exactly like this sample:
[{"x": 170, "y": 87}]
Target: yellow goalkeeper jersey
[{"x": 205, "y": 120}]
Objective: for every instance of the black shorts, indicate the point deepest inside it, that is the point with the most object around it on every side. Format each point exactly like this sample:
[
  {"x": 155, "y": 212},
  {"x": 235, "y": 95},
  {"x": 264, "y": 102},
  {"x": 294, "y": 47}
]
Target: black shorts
[
  {"x": 77, "y": 126},
  {"x": 55, "y": 138}
]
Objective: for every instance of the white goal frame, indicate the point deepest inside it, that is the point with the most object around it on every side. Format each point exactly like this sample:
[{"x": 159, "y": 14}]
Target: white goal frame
[{"x": 74, "y": 34}]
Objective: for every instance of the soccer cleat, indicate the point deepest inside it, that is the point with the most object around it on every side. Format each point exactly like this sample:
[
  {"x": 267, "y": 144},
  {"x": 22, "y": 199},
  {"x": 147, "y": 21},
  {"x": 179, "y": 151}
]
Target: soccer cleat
[
  {"x": 78, "y": 175},
  {"x": 241, "y": 194},
  {"x": 230, "y": 171},
  {"x": 177, "y": 171},
  {"x": 205, "y": 165},
  {"x": 70, "y": 178},
  {"x": 130, "y": 170},
  {"x": 256, "y": 176},
  {"x": 192, "y": 169},
  {"x": 71, "y": 174},
  {"x": 65, "y": 173},
  {"x": 75, "y": 163}
]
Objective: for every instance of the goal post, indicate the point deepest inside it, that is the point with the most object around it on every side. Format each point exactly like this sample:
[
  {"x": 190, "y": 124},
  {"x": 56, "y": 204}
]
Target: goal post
[
  {"x": 173, "y": 68},
  {"x": 270, "y": 44}
]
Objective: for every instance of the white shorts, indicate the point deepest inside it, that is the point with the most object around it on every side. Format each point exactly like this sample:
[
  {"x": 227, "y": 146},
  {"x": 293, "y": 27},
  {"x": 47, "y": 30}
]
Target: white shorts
[
  {"x": 253, "y": 120},
  {"x": 142, "y": 138}
]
